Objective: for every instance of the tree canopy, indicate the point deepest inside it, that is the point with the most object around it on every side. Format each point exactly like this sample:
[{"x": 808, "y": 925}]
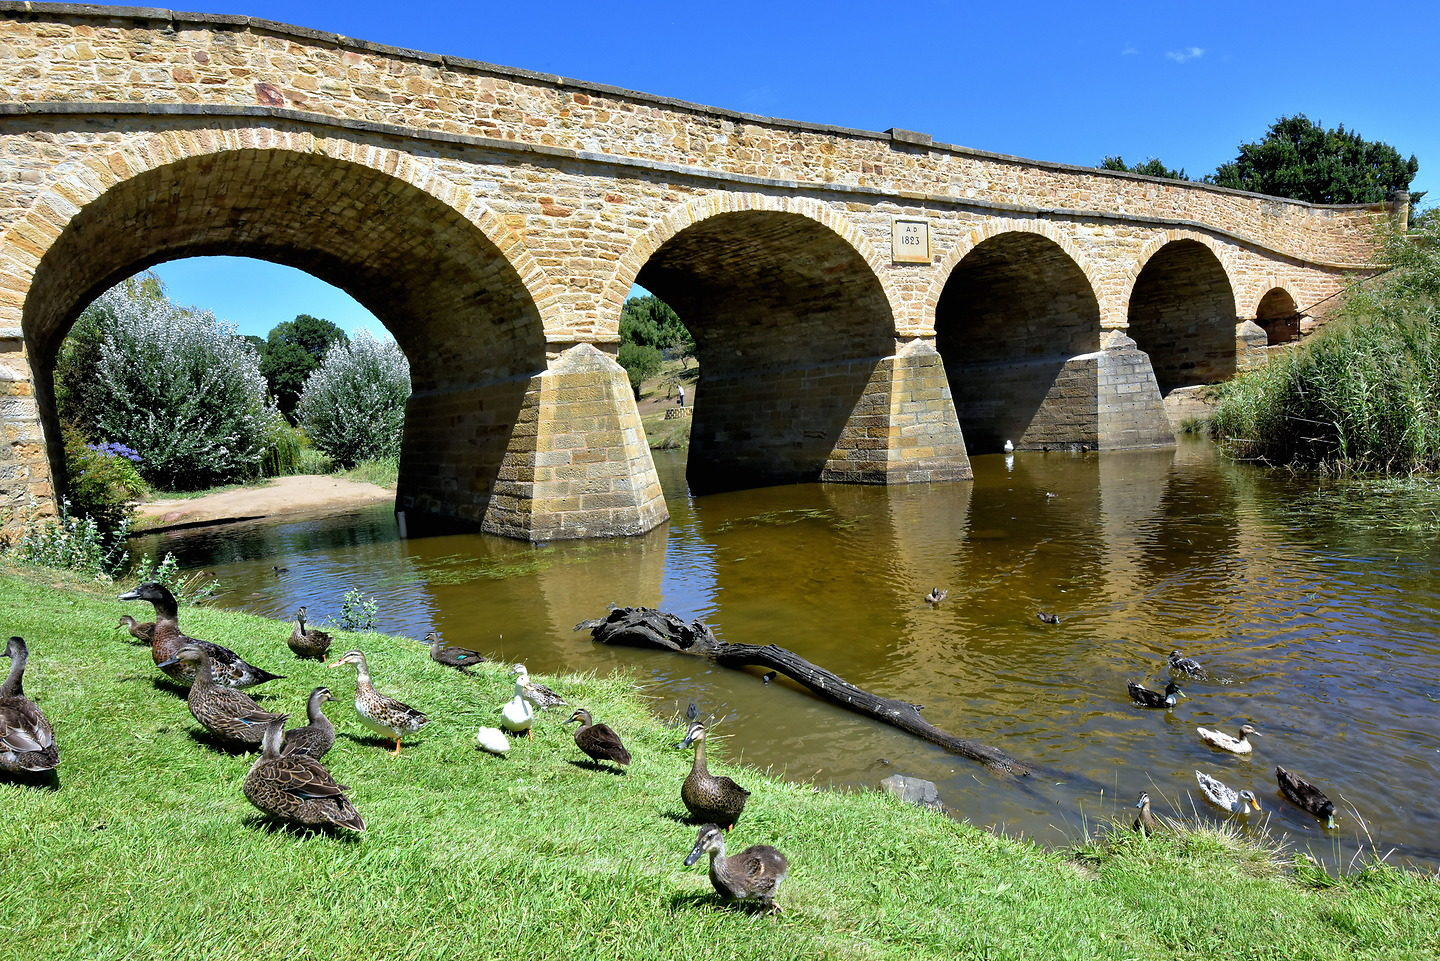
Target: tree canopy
[
  {"x": 649, "y": 322},
  {"x": 1300, "y": 159},
  {"x": 292, "y": 351},
  {"x": 1150, "y": 168}
]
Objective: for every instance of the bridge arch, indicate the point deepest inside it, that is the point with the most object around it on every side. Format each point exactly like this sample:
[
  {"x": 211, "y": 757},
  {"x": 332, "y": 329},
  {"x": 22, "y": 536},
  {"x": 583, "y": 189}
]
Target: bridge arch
[
  {"x": 440, "y": 272},
  {"x": 1017, "y": 322},
  {"x": 1279, "y": 316},
  {"x": 791, "y": 315},
  {"x": 1181, "y": 309}
]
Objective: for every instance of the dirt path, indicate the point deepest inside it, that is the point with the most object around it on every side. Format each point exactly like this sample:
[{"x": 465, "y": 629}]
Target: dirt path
[{"x": 283, "y": 495}]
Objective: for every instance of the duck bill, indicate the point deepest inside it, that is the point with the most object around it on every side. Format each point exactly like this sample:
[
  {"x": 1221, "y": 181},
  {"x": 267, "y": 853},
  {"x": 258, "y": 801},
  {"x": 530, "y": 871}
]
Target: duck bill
[
  {"x": 336, "y": 664},
  {"x": 1330, "y": 823},
  {"x": 163, "y": 665},
  {"x": 1253, "y": 803},
  {"x": 129, "y": 596},
  {"x": 1139, "y": 804},
  {"x": 694, "y": 855},
  {"x": 689, "y": 740}
]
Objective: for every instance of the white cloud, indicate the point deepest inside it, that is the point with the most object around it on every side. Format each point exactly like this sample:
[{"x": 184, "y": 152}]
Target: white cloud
[
  {"x": 1129, "y": 51},
  {"x": 1188, "y": 53}
]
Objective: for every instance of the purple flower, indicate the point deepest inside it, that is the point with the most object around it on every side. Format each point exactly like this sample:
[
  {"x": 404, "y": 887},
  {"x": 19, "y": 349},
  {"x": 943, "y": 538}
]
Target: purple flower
[{"x": 116, "y": 449}]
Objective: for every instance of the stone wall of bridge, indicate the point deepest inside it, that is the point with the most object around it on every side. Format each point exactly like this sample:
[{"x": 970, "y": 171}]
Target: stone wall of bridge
[{"x": 495, "y": 220}]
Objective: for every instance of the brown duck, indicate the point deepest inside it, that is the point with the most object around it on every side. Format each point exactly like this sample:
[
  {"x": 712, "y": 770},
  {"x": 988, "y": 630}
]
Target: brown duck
[
  {"x": 753, "y": 874},
  {"x": 316, "y": 738},
  {"x": 296, "y": 788},
  {"x": 229, "y": 669},
  {"x": 230, "y": 715},
  {"x": 144, "y": 633},
  {"x": 709, "y": 797},
  {"x": 307, "y": 643},
  {"x": 27, "y": 743},
  {"x": 598, "y": 740}
]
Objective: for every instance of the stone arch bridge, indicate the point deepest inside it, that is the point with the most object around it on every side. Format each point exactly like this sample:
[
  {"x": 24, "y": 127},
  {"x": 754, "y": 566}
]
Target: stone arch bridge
[{"x": 864, "y": 304}]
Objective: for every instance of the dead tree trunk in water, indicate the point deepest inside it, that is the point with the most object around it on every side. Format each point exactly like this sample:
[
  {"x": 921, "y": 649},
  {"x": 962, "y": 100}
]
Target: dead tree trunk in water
[{"x": 643, "y": 627}]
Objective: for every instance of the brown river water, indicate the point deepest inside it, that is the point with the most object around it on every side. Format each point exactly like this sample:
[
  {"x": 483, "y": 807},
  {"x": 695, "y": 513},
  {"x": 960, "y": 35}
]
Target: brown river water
[{"x": 1313, "y": 605}]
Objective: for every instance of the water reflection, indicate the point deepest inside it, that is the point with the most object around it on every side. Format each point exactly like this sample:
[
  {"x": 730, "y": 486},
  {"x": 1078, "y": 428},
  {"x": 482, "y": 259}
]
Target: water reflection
[{"x": 1317, "y": 624}]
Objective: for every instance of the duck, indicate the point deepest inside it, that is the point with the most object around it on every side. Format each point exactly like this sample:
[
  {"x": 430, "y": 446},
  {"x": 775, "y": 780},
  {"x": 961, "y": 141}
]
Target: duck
[
  {"x": 1306, "y": 795},
  {"x": 1046, "y": 617},
  {"x": 1145, "y": 821},
  {"x": 383, "y": 715},
  {"x": 1145, "y": 697},
  {"x": 936, "y": 595},
  {"x": 1008, "y": 447},
  {"x": 1235, "y": 745},
  {"x": 752, "y": 875},
  {"x": 709, "y": 797},
  {"x": 297, "y": 788},
  {"x": 460, "y": 658},
  {"x": 492, "y": 740},
  {"x": 229, "y": 714},
  {"x": 316, "y": 738},
  {"x": 517, "y": 716},
  {"x": 144, "y": 633},
  {"x": 229, "y": 669},
  {"x": 307, "y": 643},
  {"x": 598, "y": 741},
  {"x": 1236, "y": 802},
  {"x": 1180, "y": 664},
  {"x": 27, "y": 742},
  {"x": 537, "y": 694}
]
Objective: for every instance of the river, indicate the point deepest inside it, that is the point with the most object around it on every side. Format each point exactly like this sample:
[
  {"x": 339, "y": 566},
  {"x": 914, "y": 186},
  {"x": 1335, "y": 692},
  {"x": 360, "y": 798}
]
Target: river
[{"x": 1311, "y": 603}]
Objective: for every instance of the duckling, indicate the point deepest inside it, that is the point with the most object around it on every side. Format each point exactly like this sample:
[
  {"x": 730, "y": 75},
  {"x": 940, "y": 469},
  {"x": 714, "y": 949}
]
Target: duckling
[
  {"x": 598, "y": 740},
  {"x": 492, "y": 740},
  {"x": 1008, "y": 447},
  {"x": 297, "y": 788},
  {"x": 383, "y": 715},
  {"x": 316, "y": 738},
  {"x": 1147, "y": 698},
  {"x": 1145, "y": 821},
  {"x": 27, "y": 742},
  {"x": 710, "y": 797},
  {"x": 1224, "y": 797},
  {"x": 1179, "y": 664},
  {"x": 144, "y": 633},
  {"x": 309, "y": 643},
  {"x": 1047, "y": 618},
  {"x": 231, "y": 715},
  {"x": 537, "y": 694},
  {"x": 936, "y": 595},
  {"x": 1235, "y": 745},
  {"x": 518, "y": 716},
  {"x": 460, "y": 658},
  {"x": 229, "y": 668},
  {"x": 753, "y": 874},
  {"x": 1306, "y": 795}
]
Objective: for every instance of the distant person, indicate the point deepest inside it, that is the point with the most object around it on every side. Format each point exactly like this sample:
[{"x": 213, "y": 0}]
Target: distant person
[{"x": 680, "y": 391}]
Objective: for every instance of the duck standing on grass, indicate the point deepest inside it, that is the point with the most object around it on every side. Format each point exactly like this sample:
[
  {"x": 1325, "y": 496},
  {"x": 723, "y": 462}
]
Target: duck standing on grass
[
  {"x": 144, "y": 633},
  {"x": 296, "y": 788},
  {"x": 710, "y": 797},
  {"x": 598, "y": 741},
  {"x": 537, "y": 694},
  {"x": 383, "y": 715},
  {"x": 460, "y": 658},
  {"x": 753, "y": 874},
  {"x": 316, "y": 738},
  {"x": 517, "y": 716},
  {"x": 307, "y": 643},
  {"x": 230, "y": 715},
  {"x": 27, "y": 742},
  {"x": 228, "y": 668},
  {"x": 1145, "y": 821}
]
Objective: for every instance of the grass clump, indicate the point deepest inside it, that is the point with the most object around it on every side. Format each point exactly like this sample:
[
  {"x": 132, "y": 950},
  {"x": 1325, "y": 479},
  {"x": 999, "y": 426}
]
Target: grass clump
[
  {"x": 148, "y": 849},
  {"x": 383, "y": 472},
  {"x": 1363, "y": 395}
]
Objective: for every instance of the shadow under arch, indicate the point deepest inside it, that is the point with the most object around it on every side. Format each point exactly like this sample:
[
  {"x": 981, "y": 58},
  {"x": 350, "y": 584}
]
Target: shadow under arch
[
  {"x": 1279, "y": 316},
  {"x": 1182, "y": 313},
  {"x": 455, "y": 304},
  {"x": 790, "y": 324},
  {"x": 1017, "y": 323}
]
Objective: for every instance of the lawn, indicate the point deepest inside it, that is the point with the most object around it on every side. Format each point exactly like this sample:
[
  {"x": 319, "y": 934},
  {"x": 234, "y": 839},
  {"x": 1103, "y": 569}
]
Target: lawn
[{"x": 148, "y": 849}]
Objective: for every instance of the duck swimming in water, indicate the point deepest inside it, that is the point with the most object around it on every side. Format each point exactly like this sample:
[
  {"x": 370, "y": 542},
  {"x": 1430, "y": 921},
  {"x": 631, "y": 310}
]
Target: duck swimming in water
[
  {"x": 1235, "y": 745},
  {"x": 1147, "y": 698},
  {"x": 1222, "y": 796},
  {"x": 1306, "y": 795},
  {"x": 1180, "y": 664}
]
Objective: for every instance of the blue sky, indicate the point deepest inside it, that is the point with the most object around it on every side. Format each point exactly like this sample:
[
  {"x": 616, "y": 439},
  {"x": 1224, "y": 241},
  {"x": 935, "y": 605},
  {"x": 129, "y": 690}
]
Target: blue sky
[{"x": 1062, "y": 81}]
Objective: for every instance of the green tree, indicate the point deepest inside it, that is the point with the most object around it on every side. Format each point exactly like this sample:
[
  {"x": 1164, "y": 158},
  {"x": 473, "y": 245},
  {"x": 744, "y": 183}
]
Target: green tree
[
  {"x": 1302, "y": 160},
  {"x": 77, "y": 383},
  {"x": 641, "y": 361},
  {"x": 292, "y": 351},
  {"x": 1150, "y": 168},
  {"x": 353, "y": 405},
  {"x": 648, "y": 321}
]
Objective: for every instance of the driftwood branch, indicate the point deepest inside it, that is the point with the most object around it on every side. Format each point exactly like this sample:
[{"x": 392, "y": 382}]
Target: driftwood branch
[{"x": 643, "y": 627}]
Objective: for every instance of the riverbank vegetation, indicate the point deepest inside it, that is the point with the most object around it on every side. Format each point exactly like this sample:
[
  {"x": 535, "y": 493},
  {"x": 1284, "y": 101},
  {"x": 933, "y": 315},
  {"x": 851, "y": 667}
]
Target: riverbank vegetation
[
  {"x": 1361, "y": 395},
  {"x": 148, "y": 849}
]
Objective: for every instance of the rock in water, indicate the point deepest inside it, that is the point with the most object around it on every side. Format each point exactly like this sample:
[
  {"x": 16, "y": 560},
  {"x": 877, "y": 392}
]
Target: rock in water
[{"x": 913, "y": 790}]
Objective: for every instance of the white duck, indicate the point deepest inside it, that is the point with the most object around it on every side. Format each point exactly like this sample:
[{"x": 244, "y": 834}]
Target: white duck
[
  {"x": 492, "y": 740},
  {"x": 517, "y": 715},
  {"x": 1222, "y": 796},
  {"x": 1235, "y": 745}
]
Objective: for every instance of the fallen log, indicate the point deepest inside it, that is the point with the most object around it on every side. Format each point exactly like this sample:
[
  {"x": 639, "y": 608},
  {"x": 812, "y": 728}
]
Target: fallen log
[{"x": 644, "y": 627}]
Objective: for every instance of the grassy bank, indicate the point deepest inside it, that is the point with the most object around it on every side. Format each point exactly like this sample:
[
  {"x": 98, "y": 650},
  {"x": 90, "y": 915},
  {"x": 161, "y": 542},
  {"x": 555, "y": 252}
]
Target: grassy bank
[{"x": 148, "y": 849}]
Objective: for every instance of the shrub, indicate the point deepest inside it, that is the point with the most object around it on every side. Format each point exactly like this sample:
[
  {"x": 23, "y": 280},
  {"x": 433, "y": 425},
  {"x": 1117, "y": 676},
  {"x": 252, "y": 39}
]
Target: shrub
[
  {"x": 282, "y": 449},
  {"x": 189, "y": 588},
  {"x": 181, "y": 388},
  {"x": 384, "y": 472},
  {"x": 103, "y": 481},
  {"x": 353, "y": 405},
  {"x": 313, "y": 461},
  {"x": 641, "y": 362},
  {"x": 75, "y": 543},
  {"x": 357, "y": 611}
]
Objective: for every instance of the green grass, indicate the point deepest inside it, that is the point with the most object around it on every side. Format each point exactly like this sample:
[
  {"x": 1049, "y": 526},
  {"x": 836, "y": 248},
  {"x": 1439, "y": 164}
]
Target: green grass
[
  {"x": 384, "y": 472},
  {"x": 149, "y": 850},
  {"x": 205, "y": 491}
]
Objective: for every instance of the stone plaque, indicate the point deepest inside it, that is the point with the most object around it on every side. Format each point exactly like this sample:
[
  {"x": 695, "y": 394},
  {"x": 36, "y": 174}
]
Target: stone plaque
[{"x": 910, "y": 241}]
